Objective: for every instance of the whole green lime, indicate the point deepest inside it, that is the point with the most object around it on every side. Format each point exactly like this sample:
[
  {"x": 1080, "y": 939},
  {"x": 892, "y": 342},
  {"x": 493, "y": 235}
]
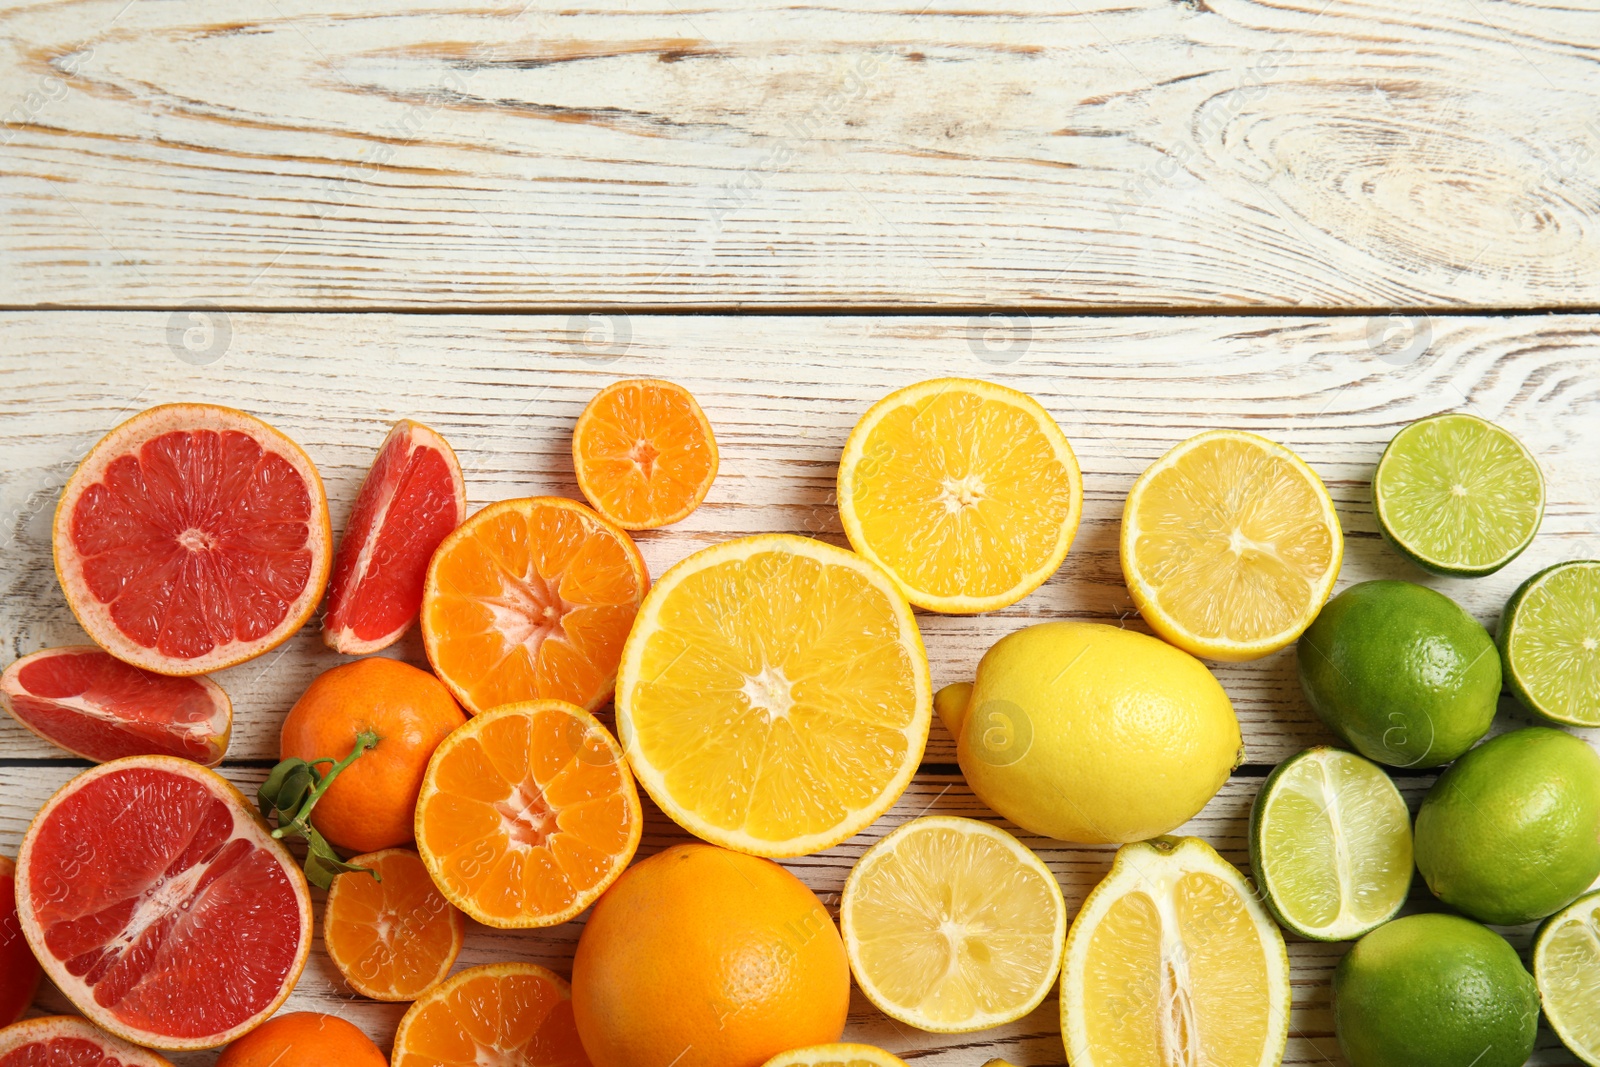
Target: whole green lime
[
  {"x": 1401, "y": 673},
  {"x": 1434, "y": 991},
  {"x": 1511, "y": 832}
]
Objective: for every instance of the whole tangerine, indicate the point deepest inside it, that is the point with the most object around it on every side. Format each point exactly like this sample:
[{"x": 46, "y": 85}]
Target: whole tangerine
[
  {"x": 370, "y": 805},
  {"x": 704, "y": 957},
  {"x": 303, "y": 1039}
]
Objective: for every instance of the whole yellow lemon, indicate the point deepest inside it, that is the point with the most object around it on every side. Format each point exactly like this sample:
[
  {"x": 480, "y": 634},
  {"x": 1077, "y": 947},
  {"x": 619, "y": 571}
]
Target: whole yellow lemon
[{"x": 1089, "y": 733}]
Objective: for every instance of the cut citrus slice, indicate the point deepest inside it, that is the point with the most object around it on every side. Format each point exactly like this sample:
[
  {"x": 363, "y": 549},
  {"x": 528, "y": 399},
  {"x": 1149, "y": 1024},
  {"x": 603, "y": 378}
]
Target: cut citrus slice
[
  {"x": 966, "y": 492},
  {"x": 413, "y": 496},
  {"x": 96, "y": 706},
  {"x": 531, "y": 600},
  {"x": 1230, "y": 545},
  {"x": 68, "y": 1041},
  {"x": 951, "y": 925},
  {"x": 1566, "y": 966},
  {"x": 774, "y": 695},
  {"x": 1458, "y": 495},
  {"x": 840, "y": 1055},
  {"x": 507, "y": 1014},
  {"x": 527, "y": 814},
  {"x": 159, "y": 904},
  {"x": 191, "y": 538},
  {"x": 1330, "y": 843},
  {"x": 19, "y": 971},
  {"x": 392, "y": 934},
  {"x": 644, "y": 453},
  {"x": 1172, "y": 959},
  {"x": 1550, "y": 643}
]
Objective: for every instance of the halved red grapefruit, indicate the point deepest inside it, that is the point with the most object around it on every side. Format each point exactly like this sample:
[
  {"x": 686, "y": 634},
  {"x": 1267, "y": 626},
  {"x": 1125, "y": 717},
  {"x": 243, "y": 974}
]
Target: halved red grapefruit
[
  {"x": 410, "y": 501},
  {"x": 191, "y": 538},
  {"x": 157, "y": 901},
  {"x": 19, "y": 971},
  {"x": 68, "y": 1041},
  {"x": 98, "y": 707}
]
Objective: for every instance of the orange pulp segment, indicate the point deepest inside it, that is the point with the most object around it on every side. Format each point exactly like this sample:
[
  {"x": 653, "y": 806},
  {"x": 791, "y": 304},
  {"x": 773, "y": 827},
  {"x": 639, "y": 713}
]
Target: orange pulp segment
[
  {"x": 508, "y": 1014},
  {"x": 644, "y": 453},
  {"x": 393, "y": 936}
]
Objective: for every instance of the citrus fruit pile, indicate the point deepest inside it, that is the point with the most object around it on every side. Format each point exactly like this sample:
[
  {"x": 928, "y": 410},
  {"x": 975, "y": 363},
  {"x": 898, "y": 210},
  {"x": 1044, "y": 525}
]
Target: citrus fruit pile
[{"x": 772, "y": 696}]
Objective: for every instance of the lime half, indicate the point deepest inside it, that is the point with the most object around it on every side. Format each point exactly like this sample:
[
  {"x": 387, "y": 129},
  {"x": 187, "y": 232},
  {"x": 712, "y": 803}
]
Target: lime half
[
  {"x": 1330, "y": 841},
  {"x": 1550, "y": 643},
  {"x": 1458, "y": 495},
  {"x": 1566, "y": 966}
]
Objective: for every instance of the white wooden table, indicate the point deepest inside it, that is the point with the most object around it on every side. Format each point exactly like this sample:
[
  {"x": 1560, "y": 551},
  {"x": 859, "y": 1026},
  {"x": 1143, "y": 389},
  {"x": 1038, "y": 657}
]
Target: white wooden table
[{"x": 1316, "y": 222}]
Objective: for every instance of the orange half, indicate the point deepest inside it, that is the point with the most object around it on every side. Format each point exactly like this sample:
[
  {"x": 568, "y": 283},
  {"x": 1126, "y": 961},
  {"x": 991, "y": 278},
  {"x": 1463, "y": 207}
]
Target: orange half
[
  {"x": 518, "y": 1014},
  {"x": 393, "y": 936},
  {"x": 644, "y": 453},
  {"x": 527, "y": 814},
  {"x": 531, "y": 600}
]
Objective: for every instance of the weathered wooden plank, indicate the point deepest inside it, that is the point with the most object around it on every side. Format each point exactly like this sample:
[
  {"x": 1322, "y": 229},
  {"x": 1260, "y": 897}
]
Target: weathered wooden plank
[
  {"x": 1030, "y": 1041},
  {"x": 782, "y": 394},
  {"x": 759, "y": 153}
]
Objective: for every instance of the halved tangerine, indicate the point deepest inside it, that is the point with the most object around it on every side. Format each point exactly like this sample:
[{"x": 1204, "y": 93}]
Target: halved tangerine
[
  {"x": 191, "y": 538},
  {"x": 413, "y": 496},
  {"x": 68, "y": 1041},
  {"x": 98, "y": 707},
  {"x": 527, "y": 814},
  {"x": 644, "y": 453},
  {"x": 507, "y": 1014},
  {"x": 530, "y": 600},
  {"x": 157, "y": 901},
  {"x": 19, "y": 971},
  {"x": 393, "y": 936}
]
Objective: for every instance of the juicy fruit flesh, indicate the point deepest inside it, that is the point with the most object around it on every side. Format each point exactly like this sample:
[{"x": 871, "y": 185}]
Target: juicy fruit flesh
[
  {"x": 961, "y": 494},
  {"x": 1459, "y": 492},
  {"x": 199, "y": 539},
  {"x": 533, "y": 602},
  {"x": 516, "y": 1018},
  {"x": 1554, "y": 648},
  {"x": 407, "y": 505},
  {"x": 776, "y": 697},
  {"x": 19, "y": 971},
  {"x": 1233, "y": 541},
  {"x": 1336, "y": 839},
  {"x": 644, "y": 449},
  {"x": 140, "y": 882},
  {"x": 951, "y": 927},
  {"x": 91, "y": 702},
  {"x": 61, "y": 1052},
  {"x": 531, "y": 816},
  {"x": 395, "y": 937},
  {"x": 1177, "y": 977},
  {"x": 1568, "y": 970}
]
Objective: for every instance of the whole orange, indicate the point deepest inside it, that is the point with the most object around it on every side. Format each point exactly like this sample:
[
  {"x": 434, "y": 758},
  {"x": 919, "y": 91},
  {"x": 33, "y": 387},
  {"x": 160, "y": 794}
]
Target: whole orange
[
  {"x": 370, "y": 806},
  {"x": 704, "y": 957},
  {"x": 303, "y": 1039}
]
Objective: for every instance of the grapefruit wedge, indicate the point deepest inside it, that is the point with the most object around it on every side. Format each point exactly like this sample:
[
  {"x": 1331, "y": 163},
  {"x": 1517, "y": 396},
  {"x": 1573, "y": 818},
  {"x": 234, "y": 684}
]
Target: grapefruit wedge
[
  {"x": 19, "y": 971},
  {"x": 96, "y": 706},
  {"x": 191, "y": 538},
  {"x": 68, "y": 1041},
  {"x": 412, "y": 498},
  {"x": 157, "y": 901}
]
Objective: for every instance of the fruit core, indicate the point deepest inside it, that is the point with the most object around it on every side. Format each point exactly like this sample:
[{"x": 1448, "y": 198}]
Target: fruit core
[
  {"x": 644, "y": 454},
  {"x": 963, "y": 492},
  {"x": 528, "y": 818},
  {"x": 529, "y": 610},
  {"x": 770, "y": 691}
]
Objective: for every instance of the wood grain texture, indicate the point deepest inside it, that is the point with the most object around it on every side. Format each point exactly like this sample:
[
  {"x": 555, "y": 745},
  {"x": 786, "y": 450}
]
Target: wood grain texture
[
  {"x": 1109, "y": 153},
  {"x": 782, "y": 394}
]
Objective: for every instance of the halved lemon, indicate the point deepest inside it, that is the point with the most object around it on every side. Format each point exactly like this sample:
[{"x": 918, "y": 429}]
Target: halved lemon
[
  {"x": 952, "y": 925},
  {"x": 1230, "y": 545},
  {"x": 774, "y": 695},
  {"x": 966, "y": 492},
  {"x": 839, "y": 1055},
  {"x": 1173, "y": 960}
]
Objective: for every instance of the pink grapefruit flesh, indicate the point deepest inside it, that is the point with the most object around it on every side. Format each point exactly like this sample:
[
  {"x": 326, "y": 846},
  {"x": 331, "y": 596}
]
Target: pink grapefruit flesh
[
  {"x": 98, "y": 707},
  {"x": 19, "y": 971},
  {"x": 160, "y": 905},
  {"x": 68, "y": 1041},
  {"x": 191, "y": 538},
  {"x": 410, "y": 501}
]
